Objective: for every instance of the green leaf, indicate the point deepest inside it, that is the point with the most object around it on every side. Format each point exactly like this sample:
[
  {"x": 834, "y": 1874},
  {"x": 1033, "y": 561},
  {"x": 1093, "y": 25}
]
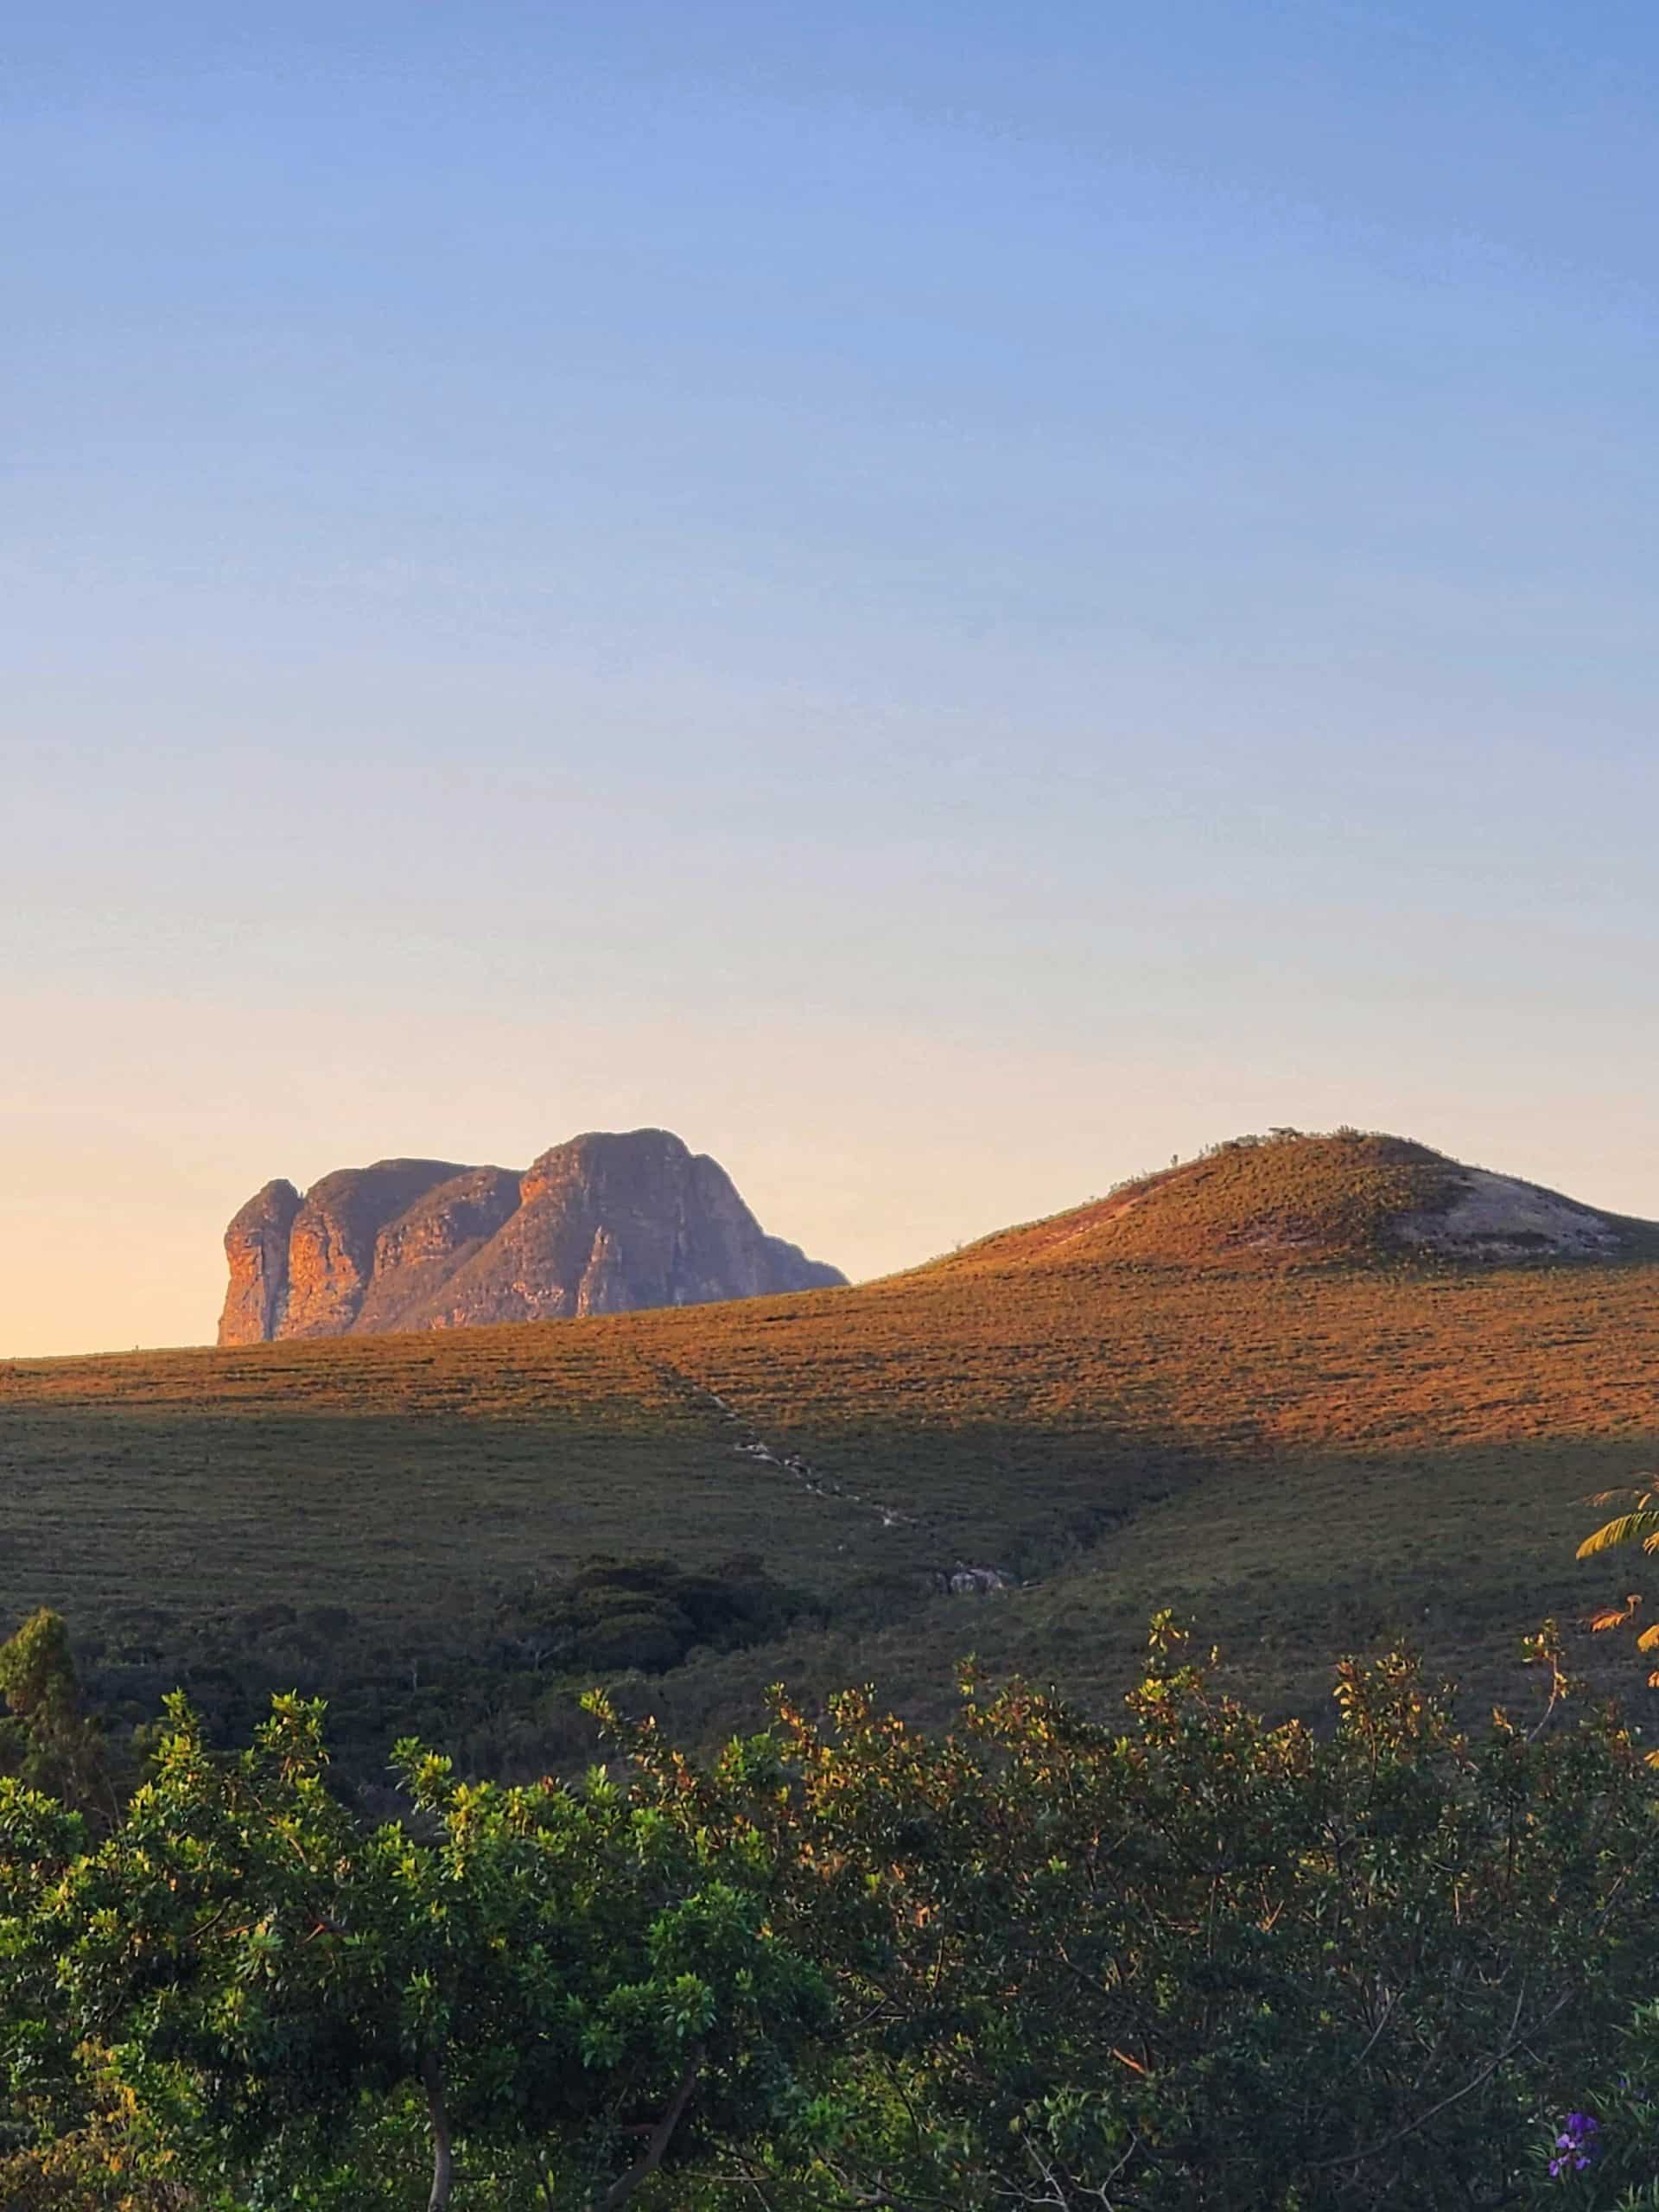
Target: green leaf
[{"x": 1625, "y": 1529}]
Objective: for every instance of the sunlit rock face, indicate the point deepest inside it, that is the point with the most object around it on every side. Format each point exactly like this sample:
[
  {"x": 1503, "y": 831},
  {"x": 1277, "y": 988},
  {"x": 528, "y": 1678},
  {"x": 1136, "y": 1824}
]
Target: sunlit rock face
[
  {"x": 602, "y": 1224},
  {"x": 256, "y": 1244}
]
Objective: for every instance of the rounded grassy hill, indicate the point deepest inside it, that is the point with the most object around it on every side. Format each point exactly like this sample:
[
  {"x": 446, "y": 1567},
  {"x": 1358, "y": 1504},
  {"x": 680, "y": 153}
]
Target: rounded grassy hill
[{"x": 1349, "y": 1197}]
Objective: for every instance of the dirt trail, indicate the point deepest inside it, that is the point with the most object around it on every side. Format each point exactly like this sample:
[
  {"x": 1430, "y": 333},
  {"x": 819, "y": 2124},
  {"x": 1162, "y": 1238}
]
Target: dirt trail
[{"x": 746, "y": 1443}]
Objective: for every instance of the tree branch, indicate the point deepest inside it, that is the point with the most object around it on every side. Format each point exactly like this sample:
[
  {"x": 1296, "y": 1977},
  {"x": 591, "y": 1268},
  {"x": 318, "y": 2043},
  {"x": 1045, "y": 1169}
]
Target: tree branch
[
  {"x": 1411, "y": 2127},
  {"x": 443, "y": 2163},
  {"x": 651, "y": 2156}
]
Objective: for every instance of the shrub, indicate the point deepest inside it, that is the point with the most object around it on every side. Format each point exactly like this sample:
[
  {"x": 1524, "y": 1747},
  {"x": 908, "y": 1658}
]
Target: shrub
[{"x": 1195, "y": 1963}]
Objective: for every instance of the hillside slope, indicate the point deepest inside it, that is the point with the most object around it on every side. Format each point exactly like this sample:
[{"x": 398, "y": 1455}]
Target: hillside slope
[
  {"x": 1306, "y": 1443},
  {"x": 1353, "y": 1197}
]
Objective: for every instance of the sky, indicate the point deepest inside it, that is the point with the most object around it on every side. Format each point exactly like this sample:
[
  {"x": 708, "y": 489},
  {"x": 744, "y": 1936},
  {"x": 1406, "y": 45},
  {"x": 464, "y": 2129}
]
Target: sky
[{"x": 951, "y": 601}]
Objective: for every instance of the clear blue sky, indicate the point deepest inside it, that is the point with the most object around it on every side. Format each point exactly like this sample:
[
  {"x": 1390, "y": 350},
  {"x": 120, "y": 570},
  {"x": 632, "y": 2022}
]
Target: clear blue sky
[{"x": 950, "y": 601}]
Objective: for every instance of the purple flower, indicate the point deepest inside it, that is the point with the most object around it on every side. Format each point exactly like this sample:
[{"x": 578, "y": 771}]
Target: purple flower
[{"x": 1575, "y": 2146}]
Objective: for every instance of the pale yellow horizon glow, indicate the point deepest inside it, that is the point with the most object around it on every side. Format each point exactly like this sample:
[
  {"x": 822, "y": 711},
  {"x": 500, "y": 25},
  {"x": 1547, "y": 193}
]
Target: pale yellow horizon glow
[{"x": 870, "y": 1147}]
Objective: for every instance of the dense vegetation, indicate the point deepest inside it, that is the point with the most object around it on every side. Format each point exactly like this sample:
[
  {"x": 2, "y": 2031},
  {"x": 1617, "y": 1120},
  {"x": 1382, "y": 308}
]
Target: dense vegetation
[
  {"x": 1003, "y": 1952},
  {"x": 648, "y": 1614},
  {"x": 1193, "y": 1963}
]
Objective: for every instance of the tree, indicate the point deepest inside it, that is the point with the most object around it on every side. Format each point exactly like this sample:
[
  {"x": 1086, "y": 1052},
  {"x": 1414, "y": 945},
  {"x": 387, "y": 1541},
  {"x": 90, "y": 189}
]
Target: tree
[
  {"x": 1197, "y": 1962},
  {"x": 564, "y": 1979},
  {"x": 47, "y": 1738},
  {"x": 1203, "y": 1962},
  {"x": 1191, "y": 1963}
]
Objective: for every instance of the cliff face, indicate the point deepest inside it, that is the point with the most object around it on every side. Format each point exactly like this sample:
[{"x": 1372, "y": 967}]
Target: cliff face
[
  {"x": 600, "y": 1225},
  {"x": 256, "y": 1244}
]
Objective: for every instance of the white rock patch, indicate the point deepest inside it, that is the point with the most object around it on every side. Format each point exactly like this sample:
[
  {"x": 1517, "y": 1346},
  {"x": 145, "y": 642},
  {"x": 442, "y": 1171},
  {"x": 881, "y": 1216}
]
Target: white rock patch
[{"x": 1498, "y": 1216}]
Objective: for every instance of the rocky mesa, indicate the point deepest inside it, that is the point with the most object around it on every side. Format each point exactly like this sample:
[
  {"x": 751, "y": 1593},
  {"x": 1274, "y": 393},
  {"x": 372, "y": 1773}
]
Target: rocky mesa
[{"x": 603, "y": 1224}]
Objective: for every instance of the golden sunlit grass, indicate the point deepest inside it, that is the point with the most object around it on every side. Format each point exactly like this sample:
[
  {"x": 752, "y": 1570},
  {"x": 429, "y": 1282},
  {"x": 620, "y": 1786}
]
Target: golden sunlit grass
[
  {"x": 1325, "y": 1449},
  {"x": 1256, "y": 1200}
]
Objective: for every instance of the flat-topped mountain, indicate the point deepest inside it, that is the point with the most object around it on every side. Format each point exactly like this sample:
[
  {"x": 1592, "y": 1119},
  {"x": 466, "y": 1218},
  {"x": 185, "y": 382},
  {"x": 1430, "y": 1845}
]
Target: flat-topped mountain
[
  {"x": 1286, "y": 1198},
  {"x": 603, "y": 1224}
]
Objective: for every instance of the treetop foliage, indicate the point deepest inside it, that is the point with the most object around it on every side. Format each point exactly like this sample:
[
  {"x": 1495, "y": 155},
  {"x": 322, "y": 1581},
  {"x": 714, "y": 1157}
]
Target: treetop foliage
[{"x": 1193, "y": 1960}]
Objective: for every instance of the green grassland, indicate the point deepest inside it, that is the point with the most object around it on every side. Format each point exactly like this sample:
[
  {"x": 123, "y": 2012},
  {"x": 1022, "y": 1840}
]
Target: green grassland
[{"x": 1227, "y": 1397}]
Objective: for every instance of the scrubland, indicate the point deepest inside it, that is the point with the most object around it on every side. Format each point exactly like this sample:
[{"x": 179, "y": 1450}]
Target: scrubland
[{"x": 1223, "y": 1393}]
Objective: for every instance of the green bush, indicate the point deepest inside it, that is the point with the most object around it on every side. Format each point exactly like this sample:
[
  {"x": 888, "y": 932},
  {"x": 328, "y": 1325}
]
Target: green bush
[
  {"x": 630, "y": 1633},
  {"x": 1195, "y": 1963},
  {"x": 648, "y": 1613}
]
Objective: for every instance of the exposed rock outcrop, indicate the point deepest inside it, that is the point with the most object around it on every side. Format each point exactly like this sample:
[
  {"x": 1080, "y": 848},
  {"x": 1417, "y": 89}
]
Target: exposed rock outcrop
[
  {"x": 256, "y": 1244},
  {"x": 1499, "y": 1217},
  {"x": 602, "y": 1224}
]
